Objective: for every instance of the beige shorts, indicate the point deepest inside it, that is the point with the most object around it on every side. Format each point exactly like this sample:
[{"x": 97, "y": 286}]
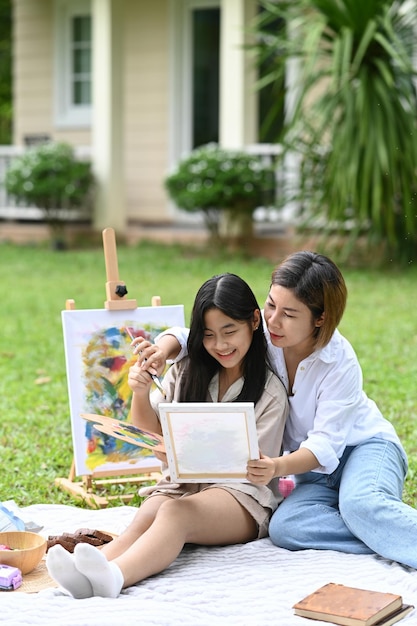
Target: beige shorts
[{"x": 259, "y": 513}]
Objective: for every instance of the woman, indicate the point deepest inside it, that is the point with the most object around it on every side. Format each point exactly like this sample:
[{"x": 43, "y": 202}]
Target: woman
[
  {"x": 227, "y": 362},
  {"x": 349, "y": 464}
]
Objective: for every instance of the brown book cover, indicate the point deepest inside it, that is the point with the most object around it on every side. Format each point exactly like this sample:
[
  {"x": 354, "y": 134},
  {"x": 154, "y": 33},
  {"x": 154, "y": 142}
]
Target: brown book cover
[{"x": 348, "y": 606}]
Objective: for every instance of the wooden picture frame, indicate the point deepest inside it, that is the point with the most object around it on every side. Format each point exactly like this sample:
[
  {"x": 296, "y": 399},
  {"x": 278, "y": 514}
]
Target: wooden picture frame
[{"x": 209, "y": 442}]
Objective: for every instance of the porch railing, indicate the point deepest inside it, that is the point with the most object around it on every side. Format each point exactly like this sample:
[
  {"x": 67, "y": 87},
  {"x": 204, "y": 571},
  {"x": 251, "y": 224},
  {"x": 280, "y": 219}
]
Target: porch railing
[{"x": 11, "y": 210}]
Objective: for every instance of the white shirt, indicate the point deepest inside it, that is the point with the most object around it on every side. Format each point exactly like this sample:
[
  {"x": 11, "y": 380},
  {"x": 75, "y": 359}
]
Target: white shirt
[{"x": 328, "y": 409}]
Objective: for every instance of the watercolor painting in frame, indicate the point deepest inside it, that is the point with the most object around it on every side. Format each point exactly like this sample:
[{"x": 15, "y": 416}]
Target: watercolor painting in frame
[{"x": 98, "y": 357}]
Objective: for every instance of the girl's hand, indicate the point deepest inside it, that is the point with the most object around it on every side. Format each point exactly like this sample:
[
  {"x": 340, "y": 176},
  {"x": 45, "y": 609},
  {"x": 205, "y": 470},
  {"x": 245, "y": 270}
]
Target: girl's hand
[
  {"x": 262, "y": 471},
  {"x": 161, "y": 456},
  {"x": 139, "y": 379},
  {"x": 150, "y": 356}
]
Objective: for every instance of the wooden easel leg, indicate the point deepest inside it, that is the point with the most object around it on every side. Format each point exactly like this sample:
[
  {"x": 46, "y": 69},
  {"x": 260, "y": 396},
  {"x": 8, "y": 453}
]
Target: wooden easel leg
[
  {"x": 71, "y": 474},
  {"x": 78, "y": 491},
  {"x": 85, "y": 489}
]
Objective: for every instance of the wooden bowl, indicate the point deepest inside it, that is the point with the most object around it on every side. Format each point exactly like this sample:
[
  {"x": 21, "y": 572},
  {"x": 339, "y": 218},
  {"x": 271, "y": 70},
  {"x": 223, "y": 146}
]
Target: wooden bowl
[{"x": 28, "y": 550}]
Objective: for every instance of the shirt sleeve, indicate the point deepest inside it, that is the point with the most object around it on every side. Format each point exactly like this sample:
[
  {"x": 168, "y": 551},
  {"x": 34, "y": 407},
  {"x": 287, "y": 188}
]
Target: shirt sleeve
[
  {"x": 181, "y": 334},
  {"x": 271, "y": 413},
  {"x": 171, "y": 383},
  {"x": 338, "y": 402}
]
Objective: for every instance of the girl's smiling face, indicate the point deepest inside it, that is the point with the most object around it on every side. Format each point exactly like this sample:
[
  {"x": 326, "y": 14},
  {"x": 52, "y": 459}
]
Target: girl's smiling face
[
  {"x": 228, "y": 340},
  {"x": 289, "y": 321}
]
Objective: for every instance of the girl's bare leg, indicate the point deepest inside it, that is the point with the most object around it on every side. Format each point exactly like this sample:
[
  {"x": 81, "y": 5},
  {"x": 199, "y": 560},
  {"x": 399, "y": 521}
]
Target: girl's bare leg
[
  {"x": 143, "y": 519},
  {"x": 210, "y": 517},
  {"x": 62, "y": 567}
]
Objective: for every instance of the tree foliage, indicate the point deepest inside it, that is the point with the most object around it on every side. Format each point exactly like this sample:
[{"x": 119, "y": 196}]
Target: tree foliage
[{"x": 352, "y": 123}]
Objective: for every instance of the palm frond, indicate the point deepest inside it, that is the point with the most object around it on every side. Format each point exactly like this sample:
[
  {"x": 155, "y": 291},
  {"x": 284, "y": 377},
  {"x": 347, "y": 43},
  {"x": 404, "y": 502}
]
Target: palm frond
[{"x": 353, "y": 120}]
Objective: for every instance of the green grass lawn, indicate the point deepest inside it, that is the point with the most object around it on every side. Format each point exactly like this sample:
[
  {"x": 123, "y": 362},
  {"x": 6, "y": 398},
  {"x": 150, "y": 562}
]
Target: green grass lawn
[{"x": 35, "y": 436}]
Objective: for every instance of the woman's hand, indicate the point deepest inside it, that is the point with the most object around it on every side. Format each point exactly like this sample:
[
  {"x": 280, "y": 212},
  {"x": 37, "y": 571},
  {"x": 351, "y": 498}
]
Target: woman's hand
[
  {"x": 262, "y": 471},
  {"x": 150, "y": 357}
]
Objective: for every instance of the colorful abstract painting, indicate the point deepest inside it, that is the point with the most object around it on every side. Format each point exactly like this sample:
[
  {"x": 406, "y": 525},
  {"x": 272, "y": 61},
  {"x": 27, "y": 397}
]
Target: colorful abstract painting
[{"x": 98, "y": 357}]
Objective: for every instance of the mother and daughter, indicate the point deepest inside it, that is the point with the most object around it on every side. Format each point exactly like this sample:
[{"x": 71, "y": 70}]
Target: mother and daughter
[
  {"x": 227, "y": 362},
  {"x": 349, "y": 464}
]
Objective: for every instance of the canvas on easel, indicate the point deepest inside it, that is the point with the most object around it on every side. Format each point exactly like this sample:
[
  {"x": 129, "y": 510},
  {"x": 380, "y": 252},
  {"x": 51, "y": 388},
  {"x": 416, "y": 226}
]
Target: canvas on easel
[{"x": 98, "y": 357}]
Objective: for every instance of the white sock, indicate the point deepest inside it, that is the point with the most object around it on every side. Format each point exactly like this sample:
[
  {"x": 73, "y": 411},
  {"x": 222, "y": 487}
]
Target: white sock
[
  {"x": 105, "y": 577},
  {"x": 61, "y": 567}
]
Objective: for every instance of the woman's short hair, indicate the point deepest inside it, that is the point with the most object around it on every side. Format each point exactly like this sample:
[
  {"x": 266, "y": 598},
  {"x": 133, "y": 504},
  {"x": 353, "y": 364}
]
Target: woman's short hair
[{"x": 318, "y": 283}]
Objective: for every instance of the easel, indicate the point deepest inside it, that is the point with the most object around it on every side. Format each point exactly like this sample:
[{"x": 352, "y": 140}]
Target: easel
[{"x": 85, "y": 489}]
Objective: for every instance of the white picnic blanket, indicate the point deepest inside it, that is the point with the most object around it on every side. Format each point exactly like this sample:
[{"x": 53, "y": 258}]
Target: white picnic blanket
[{"x": 254, "y": 584}]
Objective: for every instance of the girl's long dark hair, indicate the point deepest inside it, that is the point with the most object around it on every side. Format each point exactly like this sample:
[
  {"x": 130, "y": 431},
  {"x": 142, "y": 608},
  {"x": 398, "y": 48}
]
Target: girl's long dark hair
[{"x": 233, "y": 297}]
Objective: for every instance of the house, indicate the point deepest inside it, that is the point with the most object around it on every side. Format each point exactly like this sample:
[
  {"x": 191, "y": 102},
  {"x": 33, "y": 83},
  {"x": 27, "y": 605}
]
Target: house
[{"x": 139, "y": 82}]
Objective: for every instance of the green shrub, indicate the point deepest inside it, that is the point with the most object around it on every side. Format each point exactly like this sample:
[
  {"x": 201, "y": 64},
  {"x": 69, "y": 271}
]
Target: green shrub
[
  {"x": 50, "y": 177},
  {"x": 213, "y": 180}
]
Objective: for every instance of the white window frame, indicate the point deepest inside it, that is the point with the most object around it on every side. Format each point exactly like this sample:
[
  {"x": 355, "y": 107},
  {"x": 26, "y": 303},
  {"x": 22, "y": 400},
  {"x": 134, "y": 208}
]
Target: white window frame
[{"x": 66, "y": 113}]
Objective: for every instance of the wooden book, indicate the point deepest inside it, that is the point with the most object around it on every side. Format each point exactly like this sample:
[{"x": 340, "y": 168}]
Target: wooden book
[{"x": 349, "y": 606}]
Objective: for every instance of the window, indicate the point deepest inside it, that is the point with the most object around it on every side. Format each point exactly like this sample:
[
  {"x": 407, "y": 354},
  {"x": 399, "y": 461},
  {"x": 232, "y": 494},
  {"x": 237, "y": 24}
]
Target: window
[
  {"x": 271, "y": 98},
  {"x": 205, "y": 75},
  {"x": 194, "y": 69},
  {"x": 73, "y": 69},
  {"x": 80, "y": 74}
]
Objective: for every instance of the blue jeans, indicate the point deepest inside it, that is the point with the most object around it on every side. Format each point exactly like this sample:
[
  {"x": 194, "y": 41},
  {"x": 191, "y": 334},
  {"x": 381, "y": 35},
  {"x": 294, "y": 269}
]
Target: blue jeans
[{"x": 357, "y": 509}]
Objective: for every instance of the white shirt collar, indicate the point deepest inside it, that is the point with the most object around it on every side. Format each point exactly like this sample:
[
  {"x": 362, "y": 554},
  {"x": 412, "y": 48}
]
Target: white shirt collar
[{"x": 230, "y": 395}]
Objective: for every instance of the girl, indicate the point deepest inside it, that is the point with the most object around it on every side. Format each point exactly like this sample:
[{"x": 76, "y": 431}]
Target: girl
[
  {"x": 227, "y": 362},
  {"x": 349, "y": 463}
]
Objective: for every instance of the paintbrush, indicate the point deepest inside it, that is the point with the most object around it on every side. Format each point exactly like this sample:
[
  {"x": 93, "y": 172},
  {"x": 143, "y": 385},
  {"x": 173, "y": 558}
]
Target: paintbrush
[{"x": 154, "y": 377}]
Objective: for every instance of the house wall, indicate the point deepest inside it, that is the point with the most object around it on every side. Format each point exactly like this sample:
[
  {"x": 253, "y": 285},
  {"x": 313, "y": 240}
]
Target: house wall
[
  {"x": 146, "y": 110},
  {"x": 33, "y": 74},
  {"x": 147, "y": 83}
]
